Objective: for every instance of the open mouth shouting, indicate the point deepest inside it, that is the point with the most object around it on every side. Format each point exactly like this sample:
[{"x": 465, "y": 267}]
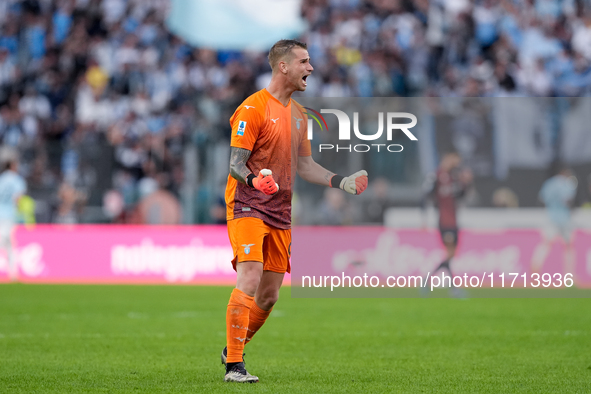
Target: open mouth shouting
[{"x": 304, "y": 79}]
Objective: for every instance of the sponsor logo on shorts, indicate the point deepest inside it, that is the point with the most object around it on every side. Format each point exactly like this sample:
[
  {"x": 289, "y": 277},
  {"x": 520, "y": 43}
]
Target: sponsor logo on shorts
[
  {"x": 247, "y": 248},
  {"x": 241, "y": 128}
]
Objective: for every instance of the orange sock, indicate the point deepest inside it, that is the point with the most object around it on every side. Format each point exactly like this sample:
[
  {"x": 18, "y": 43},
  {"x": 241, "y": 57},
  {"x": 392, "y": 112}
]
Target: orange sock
[
  {"x": 256, "y": 319},
  {"x": 237, "y": 324}
]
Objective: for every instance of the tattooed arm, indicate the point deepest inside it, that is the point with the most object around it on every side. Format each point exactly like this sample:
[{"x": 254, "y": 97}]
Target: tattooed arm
[
  {"x": 238, "y": 159},
  {"x": 312, "y": 172}
]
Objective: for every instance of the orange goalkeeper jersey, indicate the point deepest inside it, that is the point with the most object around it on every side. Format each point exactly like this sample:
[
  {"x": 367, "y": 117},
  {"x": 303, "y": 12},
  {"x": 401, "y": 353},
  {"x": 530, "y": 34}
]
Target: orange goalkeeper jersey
[{"x": 276, "y": 136}]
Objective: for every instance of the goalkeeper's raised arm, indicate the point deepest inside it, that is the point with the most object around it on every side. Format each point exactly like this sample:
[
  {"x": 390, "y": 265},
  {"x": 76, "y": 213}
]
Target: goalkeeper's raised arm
[{"x": 313, "y": 172}]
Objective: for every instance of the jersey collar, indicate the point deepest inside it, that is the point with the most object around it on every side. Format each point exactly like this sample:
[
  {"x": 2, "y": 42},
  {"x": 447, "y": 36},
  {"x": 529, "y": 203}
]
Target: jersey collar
[{"x": 274, "y": 98}]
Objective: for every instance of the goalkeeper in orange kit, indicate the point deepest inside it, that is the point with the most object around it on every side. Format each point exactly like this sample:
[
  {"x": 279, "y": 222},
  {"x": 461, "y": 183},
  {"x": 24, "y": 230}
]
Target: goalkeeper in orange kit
[{"x": 267, "y": 149}]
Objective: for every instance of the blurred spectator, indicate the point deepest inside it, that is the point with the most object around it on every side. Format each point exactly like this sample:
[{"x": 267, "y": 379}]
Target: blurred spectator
[
  {"x": 379, "y": 203},
  {"x": 218, "y": 211},
  {"x": 7, "y": 68},
  {"x": 34, "y": 104},
  {"x": 334, "y": 210},
  {"x": 113, "y": 206},
  {"x": 504, "y": 197},
  {"x": 70, "y": 204},
  {"x": 157, "y": 206}
]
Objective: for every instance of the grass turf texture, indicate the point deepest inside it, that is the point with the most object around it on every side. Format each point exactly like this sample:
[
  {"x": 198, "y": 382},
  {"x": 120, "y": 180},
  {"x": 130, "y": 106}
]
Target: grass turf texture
[{"x": 168, "y": 339}]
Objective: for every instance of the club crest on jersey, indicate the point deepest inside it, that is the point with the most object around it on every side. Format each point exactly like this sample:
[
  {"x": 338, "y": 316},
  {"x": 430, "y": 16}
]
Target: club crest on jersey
[
  {"x": 247, "y": 248},
  {"x": 241, "y": 128},
  {"x": 298, "y": 122}
]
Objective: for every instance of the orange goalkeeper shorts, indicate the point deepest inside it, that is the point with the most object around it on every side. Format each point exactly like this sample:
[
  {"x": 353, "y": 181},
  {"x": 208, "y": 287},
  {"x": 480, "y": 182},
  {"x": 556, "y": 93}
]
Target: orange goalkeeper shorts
[{"x": 254, "y": 240}]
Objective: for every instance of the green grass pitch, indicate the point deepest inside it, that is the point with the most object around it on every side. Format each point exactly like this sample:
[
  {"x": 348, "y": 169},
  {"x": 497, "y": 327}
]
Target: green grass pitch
[{"x": 167, "y": 339}]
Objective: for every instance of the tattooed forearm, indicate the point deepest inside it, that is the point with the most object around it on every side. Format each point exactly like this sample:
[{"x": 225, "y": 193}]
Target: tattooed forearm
[{"x": 238, "y": 159}]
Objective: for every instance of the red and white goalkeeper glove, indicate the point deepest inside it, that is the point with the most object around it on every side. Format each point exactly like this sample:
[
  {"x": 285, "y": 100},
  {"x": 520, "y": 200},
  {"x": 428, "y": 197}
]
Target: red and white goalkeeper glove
[
  {"x": 352, "y": 184},
  {"x": 264, "y": 182}
]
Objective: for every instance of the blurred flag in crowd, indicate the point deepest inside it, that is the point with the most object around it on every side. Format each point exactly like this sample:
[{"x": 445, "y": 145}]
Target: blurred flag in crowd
[{"x": 236, "y": 24}]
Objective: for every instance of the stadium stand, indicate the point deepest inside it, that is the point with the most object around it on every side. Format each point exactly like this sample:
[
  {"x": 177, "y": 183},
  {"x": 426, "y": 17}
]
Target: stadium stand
[{"x": 99, "y": 97}]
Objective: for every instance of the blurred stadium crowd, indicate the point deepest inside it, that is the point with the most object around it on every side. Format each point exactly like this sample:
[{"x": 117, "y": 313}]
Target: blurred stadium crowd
[
  {"x": 109, "y": 110},
  {"x": 450, "y": 47}
]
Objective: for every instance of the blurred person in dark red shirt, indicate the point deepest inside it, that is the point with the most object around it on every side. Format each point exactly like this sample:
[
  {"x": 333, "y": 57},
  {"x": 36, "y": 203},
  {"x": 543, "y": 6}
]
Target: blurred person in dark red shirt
[{"x": 449, "y": 184}]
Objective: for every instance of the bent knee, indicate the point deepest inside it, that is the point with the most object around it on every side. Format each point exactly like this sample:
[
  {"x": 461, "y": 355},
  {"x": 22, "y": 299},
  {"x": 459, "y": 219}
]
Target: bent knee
[
  {"x": 268, "y": 299},
  {"x": 249, "y": 278}
]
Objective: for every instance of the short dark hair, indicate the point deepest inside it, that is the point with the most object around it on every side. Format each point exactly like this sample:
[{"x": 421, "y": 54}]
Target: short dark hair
[{"x": 282, "y": 48}]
